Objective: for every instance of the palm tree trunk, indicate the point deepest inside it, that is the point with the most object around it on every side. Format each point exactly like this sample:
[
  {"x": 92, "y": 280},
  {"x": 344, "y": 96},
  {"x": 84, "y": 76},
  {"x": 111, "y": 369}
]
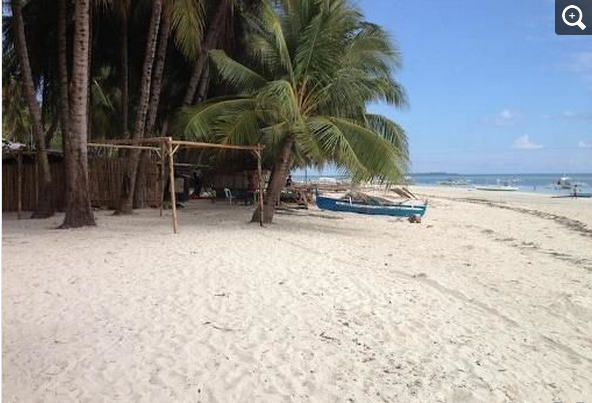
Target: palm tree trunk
[
  {"x": 63, "y": 70},
  {"x": 44, "y": 206},
  {"x": 158, "y": 74},
  {"x": 204, "y": 82},
  {"x": 140, "y": 190},
  {"x": 214, "y": 31},
  {"x": 124, "y": 76},
  {"x": 156, "y": 87},
  {"x": 64, "y": 109},
  {"x": 78, "y": 209},
  {"x": 276, "y": 182},
  {"x": 50, "y": 132},
  {"x": 90, "y": 114},
  {"x": 129, "y": 177}
]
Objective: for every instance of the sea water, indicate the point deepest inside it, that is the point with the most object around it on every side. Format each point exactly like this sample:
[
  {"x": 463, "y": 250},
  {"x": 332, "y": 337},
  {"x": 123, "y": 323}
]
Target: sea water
[
  {"x": 544, "y": 183},
  {"x": 540, "y": 183}
]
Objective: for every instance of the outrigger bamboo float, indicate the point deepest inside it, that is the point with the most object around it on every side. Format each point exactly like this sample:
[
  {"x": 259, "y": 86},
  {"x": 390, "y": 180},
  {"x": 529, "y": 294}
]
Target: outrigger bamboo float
[{"x": 371, "y": 205}]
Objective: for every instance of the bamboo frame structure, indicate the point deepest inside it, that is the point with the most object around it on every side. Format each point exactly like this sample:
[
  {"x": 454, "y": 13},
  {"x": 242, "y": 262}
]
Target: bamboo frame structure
[
  {"x": 171, "y": 154},
  {"x": 260, "y": 177},
  {"x": 108, "y": 145},
  {"x": 166, "y": 148},
  {"x": 161, "y": 178}
]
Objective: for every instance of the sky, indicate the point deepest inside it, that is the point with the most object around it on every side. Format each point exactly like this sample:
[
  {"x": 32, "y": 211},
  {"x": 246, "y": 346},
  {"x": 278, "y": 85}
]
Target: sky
[{"x": 492, "y": 88}]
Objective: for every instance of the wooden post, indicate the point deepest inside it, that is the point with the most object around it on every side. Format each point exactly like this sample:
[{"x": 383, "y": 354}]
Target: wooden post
[
  {"x": 161, "y": 178},
  {"x": 259, "y": 174},
  {"x": 19, "y": 185},
  {"x": 172, "y": 185}
]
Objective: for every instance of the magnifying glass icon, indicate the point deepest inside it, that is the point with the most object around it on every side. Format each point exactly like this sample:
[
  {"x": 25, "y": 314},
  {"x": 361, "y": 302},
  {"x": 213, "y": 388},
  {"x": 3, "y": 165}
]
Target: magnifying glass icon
[{"x": 579, "y": 22}]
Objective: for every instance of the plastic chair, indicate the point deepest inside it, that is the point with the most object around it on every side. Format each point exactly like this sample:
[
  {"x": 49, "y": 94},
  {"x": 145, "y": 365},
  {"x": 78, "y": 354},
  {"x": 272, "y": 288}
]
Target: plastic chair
[{"x": 229, "y": 195}]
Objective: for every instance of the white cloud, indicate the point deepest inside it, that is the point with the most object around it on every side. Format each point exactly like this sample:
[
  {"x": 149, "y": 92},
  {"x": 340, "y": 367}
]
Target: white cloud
[
  {"x": 576, "y": 115},
  {"x": 568, "y": 114},
  {"x": 583, "y": 144},
  {"x": 524, "y": 143},
  {"x": 507, "y": 117}
]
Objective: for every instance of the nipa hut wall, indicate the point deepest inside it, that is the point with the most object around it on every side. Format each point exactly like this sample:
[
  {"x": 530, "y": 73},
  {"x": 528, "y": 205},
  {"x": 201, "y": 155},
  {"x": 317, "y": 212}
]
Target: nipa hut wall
[{"x": 105, "y": 175}]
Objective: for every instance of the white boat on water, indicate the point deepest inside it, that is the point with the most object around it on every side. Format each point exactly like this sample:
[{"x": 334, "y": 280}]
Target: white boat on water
[
  {"x": 565, "y": 182},
  {"x": 454, "y": 182},
  {"x": 327, "y": 180},
  {"x": 502, "y": 186}
]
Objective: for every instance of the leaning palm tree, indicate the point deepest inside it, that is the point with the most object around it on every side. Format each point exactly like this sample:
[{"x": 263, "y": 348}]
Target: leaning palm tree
[
  {"x": 44, "y": 207},
  {"x": 313, "y": 66}
]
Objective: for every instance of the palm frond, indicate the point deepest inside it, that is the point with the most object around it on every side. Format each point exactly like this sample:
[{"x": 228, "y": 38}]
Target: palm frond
[
  {"x": 197, "y": 122},
  {"x": 379, "y": 157},
  {"x": 187, "y": 23},
  {"x": 390, "y": 131},
  {"x": 241, "y": 78}
]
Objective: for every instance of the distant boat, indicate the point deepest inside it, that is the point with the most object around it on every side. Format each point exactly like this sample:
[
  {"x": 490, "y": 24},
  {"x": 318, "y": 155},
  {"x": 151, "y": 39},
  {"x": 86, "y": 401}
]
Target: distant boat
[
  {"x": 565, "y": 182},
  {"x": 498, "y": 188},
  {"x": 502, "y": 186},
  {"x": 584, "y": 195},
  {"x": 352, "y": 206},
  {"x": 327, "y": 179},
  {"x": 454, "y": 182}
]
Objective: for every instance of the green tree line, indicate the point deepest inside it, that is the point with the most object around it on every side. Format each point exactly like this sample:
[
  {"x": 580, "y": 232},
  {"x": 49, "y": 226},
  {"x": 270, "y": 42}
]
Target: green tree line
[{"x": 294, "y": 75}]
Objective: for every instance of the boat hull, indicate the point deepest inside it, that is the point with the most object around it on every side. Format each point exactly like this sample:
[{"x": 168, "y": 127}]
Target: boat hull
[
  {"x": 584, "y": 195},
  {"x": 498, "y": 188},
  {"x": 402, "y": 210}
]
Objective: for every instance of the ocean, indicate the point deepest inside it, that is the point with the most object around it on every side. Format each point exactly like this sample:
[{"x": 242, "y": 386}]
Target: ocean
[
  {"x": 543, "y": 183},
  {"x": 540, "y": 183}
]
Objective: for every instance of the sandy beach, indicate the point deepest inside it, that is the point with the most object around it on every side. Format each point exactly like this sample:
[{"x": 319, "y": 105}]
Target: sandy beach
[{"x": 489, "y": 299}]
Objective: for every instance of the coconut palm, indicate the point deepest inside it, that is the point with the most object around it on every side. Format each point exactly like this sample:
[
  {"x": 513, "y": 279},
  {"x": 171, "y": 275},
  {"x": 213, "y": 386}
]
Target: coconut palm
[
  {"x": 185, "y": 17},
  {"x": 78, "y": 209},
  {"x": 311, "y": 68},
  {"x": 44, "y": 206},
  {"x": 216, "y": 26}
]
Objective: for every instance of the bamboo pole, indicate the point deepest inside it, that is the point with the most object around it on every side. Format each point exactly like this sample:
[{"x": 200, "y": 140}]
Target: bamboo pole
[
  {"x": 195, "y": 144},
  {"x": 152, "y": 140},
  {"x": 161, "y": 178},
  {"x": 107, "y": 145},
  {"x": 258, "y": 152},
  {"x": 135, "y": 143},
  {"x": 19, "y": 191},
  {"x": 172, "y": 185}
]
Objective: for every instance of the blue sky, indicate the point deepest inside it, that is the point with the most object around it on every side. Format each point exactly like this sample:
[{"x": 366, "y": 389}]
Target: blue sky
[{"x": 492, "y": 88}]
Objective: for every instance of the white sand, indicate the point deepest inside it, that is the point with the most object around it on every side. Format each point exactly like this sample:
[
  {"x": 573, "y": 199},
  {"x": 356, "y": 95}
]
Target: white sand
[{"x": 479, "y": 303}]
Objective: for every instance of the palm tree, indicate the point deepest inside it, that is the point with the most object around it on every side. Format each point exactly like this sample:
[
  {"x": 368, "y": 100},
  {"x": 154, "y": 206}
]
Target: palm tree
[
  {"x": 78, "y": 209},
  {"x": 44, "y": 206},
  {"x": 184, "y": 18},
  {"x": 129, "y": 178},
  {"x": 122, "y": 9},
  {"x": 312, "y": 67},
  {"x": 63, "y": 70},
  {"x": 215, "y": 30}
]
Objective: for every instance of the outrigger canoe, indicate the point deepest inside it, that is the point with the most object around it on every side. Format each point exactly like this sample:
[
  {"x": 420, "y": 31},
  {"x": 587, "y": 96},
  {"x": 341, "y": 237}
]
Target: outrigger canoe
[{"x": 351, "y": 206}]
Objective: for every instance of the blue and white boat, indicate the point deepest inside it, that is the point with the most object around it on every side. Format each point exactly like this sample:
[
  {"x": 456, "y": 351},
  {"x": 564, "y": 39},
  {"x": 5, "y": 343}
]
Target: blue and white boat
[{"x": 348, "y": 205}]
